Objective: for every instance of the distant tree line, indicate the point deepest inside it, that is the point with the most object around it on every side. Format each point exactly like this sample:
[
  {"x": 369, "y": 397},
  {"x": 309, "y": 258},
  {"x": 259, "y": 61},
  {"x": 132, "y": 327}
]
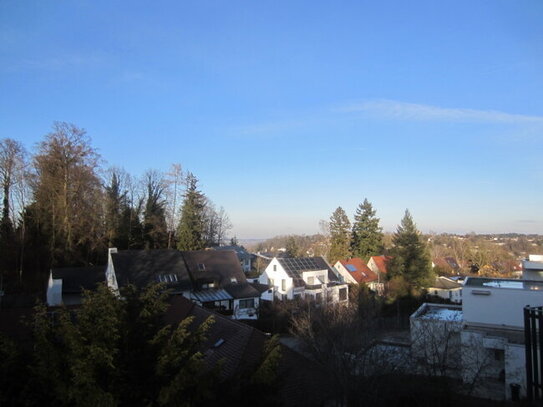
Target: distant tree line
[{"x": 60, "y": 207}]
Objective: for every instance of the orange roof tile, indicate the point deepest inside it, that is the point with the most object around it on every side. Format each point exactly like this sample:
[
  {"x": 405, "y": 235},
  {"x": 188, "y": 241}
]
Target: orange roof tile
[
  {"x": 361, "y": 272},
  {"x": 381, "y": 262}
]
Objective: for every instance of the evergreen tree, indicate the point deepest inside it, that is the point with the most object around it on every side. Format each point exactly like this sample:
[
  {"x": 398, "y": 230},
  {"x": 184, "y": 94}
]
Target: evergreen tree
[
  {"x": 191, "y": 230},
  {"x": 340, "y": 236},
  {"x": 411, "y": 259},
  {"x": 292, "y": 248},
  {"x": 367, "y": 236}
]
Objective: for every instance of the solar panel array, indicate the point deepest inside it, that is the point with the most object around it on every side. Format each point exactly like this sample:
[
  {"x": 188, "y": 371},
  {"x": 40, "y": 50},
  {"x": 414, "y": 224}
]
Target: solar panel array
[{"x": 301, "y": 264}]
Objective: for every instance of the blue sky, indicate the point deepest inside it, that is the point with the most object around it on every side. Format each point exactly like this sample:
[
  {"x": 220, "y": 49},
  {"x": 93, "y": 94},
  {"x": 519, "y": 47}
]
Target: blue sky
[{"x": 287, "y": 109}]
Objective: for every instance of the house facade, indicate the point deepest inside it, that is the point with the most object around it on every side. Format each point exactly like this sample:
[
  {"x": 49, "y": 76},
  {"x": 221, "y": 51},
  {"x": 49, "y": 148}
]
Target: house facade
[
  {"x": 446, "y": 289},
  {"x": 210, "y": 278},
  {"x": 532, "y": 267},
  {"x": 309, "y": 278},
  {"x": 354, "y": 271}
]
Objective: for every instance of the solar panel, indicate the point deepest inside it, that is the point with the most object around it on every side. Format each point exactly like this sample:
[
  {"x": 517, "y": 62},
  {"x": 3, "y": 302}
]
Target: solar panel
[{"x": 350, "y": 267}]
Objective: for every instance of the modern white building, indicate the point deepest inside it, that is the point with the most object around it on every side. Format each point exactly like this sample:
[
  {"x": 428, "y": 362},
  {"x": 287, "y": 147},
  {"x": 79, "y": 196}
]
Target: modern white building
[
  {"x": 485, "y": 335},
  {"x": 532, "y": 268},
  {"x": 309, "y": 278}
]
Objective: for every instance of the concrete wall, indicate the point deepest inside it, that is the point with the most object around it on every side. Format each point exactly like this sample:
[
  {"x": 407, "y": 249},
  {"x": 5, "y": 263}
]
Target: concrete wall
[{"x": 498, "y": 306}]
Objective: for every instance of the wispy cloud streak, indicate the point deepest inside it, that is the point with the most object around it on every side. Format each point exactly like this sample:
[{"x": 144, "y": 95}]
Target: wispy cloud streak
[{"x": 391, "y": 109}]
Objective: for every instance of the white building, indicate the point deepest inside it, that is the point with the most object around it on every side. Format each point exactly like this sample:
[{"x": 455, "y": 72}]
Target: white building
[
  {"x": 486, "y": 334},
  {"x": 532, "y": 268},
  {"x": 308, "y": 278},
  {"x": 447, "y": 289}
]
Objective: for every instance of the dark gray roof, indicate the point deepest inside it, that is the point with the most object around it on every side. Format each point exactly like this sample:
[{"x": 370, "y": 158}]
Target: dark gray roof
[
  {"x": 261, "y": 288},
  {"x": 142, "y": 267},
  {"x": 240, "y": 251},
  {"x": 445, "y": 284},
  {"x": 76, "y": 279},
  {"x": 245, "y": 290},
  {"x": 294, "y": 266},
  {"x": 215, "y": 266}
]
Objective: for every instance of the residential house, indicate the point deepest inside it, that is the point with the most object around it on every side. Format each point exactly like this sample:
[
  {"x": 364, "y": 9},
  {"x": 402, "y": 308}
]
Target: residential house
[
  {"x": 238, "y": 349},
  {"x": 219, "y": 281},
  {"x": 378, "y": 264},
  {"x": 447, "y": 289},
  {"x": 245, "y": 258},
  {"x": 355, "y": 271},
  {"x": 308, "y": 278},
  {"x": 448, "y": 265},
  {"x": 66, "y": 285},
  {"x": 213, "y": 279}
]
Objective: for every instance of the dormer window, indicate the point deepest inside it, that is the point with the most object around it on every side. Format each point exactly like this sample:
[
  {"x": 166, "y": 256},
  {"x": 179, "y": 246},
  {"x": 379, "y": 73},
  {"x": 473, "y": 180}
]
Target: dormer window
[
  {"x": 201, "y": 267},
  {"x": 234, "y": 280}
]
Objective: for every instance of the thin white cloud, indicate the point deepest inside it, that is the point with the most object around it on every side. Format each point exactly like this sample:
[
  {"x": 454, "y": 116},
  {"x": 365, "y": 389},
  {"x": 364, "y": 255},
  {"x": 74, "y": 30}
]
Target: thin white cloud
[{"x": 391, "y": 109}]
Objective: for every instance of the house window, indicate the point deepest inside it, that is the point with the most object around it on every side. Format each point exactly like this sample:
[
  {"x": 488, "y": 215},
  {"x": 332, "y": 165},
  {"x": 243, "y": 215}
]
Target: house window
[
  {"x": 201, "y": 267},
  {"x": 311, "y": 280},
  {"x": 283, "y": 285},
  {"x": 248, "y": 303},
  {"x": 275, "y": 267},
  {"x": 318, "y": 298},
  {"x": 342, "y": 294},
  {"x": 233, "y": 280},
  {"x": 271, "y": 281}
]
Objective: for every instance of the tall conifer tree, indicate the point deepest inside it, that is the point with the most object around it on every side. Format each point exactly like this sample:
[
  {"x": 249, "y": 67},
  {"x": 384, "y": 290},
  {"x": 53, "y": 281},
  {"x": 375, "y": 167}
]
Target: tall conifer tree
[
  {"x": 340, "y": 236},
  {"x": 367, "y": 235},
  {"x": 191, "y": 230},
  {"x": 411, "y": 259}
]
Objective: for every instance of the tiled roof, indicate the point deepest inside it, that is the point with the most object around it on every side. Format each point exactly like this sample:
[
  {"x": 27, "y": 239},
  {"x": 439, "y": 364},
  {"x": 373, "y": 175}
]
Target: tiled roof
[
  {"x": 213, "y": 265},
  {"x": 141, "y": 267},
  {"x": 381, "y": 262},
  {"x": 238, "y": 347},
  {"x": 359, "y": 271}
]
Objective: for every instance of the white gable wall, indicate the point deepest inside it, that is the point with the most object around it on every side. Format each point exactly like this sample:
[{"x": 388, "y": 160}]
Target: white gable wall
[
  {"x": 344, "y": 273},
  {"x": 54, "y": 291},
  {"x": 276, "y": 276},
  {"x": 111, "y": 278}
]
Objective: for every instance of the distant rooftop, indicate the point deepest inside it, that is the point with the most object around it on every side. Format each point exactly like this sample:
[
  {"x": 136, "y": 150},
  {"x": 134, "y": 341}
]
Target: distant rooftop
[{"x": 504, "y": 283}]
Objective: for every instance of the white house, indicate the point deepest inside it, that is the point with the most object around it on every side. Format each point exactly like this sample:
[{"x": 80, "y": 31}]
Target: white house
[
  {"x": 354, "y": 271},
  {"x": 308, "y": 278},
  {"x": 447, "y": 289}
]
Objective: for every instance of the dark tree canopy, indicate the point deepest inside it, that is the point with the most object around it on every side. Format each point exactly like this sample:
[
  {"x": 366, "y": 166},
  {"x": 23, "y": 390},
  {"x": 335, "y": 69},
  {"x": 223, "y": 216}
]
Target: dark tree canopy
[
  {"x": 411, "y": 259},
  {"x": 340, "y": 236},
  {"x": 367, "y": 235},
  {"x": 191, "y": 229}
]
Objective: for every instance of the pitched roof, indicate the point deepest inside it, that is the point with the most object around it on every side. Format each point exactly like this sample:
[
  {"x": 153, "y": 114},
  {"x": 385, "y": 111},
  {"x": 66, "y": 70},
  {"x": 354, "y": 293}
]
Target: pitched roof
[
  {"x": 447, "y": 262},
  {"x": 359, "y": 271},
  {"x": 295, "y": 266},
  {"x": 241, "y": 252},
  {"x": 221, "y": 267},
  {"x": 445, "y": 283},
  {"x": 239, "y": 348},
  {"x": 381, "y": 262},
  {"x": 141, "y": 267},
  {"x": 77, "y": 279}
]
